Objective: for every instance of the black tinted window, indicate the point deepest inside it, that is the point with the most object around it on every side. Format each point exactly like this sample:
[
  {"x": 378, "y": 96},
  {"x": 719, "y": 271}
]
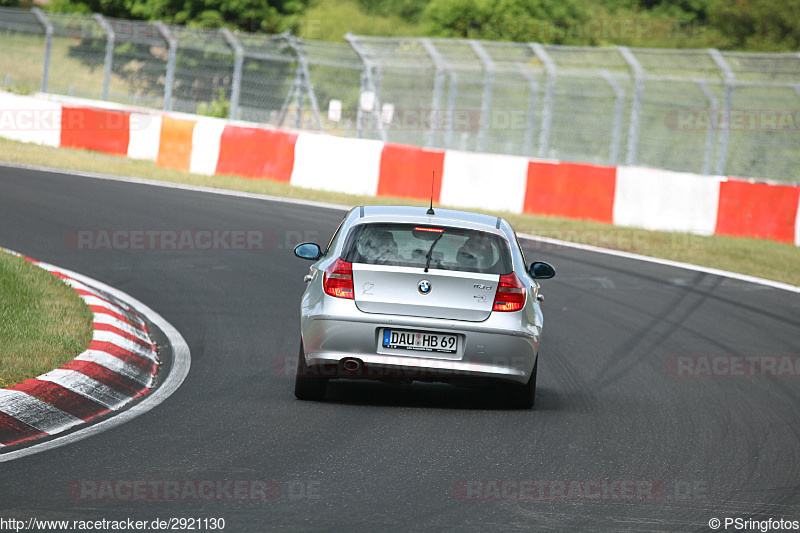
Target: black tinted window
[{"x": 408, "y": 245}]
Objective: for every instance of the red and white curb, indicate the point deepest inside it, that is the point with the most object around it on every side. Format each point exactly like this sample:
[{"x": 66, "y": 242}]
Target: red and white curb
[{"x": 119, "y": 365}]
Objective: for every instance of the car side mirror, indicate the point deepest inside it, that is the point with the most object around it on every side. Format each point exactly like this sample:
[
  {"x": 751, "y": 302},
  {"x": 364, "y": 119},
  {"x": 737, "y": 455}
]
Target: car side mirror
[
  {"x": 308, "y": 250},
  {"x": 542, "y": 270}
]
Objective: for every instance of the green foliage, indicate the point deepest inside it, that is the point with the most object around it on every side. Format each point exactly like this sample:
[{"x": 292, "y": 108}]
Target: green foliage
[
  {"x": 329, "y": 20},
  {"x": 727, "y": 24},
  {"x": 20, "y": 88},
  {"x": 502, "y": 19},
  {"x": 247, "y": 15},
  {"x": 758, "y": 24},
  {"x": 219, "y": 108},
  {"x": 408, "y": 10}
]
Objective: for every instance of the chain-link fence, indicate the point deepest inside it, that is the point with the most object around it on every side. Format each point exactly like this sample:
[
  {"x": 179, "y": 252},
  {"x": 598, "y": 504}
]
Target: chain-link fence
[{"x": 702, "y": 111}]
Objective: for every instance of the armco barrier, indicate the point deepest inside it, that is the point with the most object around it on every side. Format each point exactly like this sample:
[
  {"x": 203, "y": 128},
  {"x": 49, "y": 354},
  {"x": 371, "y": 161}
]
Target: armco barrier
[
  {"x": 571, "y": 190},
  {"x": 95, "y": 129},
  {"x": 625, "y": 196},
  {"x": 175, "y": 145},
  {"x": 485, "y": 181},
  {"x": 666, "y": 200},
  {"x": 758, "y": 210},
  {"x": 256, "y": 153},
  {"x": 205, "y": 146},
  {"x": 337, "y": 164},
  {"x": 410, "y": 172},
  {"x": 145, "y": 136},
  {"x": 30, "y": 120}
]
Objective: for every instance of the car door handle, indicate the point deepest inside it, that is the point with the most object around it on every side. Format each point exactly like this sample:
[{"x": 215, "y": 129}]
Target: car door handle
[{"x": 307, "y": 278}]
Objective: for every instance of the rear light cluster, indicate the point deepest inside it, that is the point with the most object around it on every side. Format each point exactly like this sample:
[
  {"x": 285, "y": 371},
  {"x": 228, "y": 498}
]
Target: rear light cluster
[
  {"x": 510, "y": 294},
  {"x": 338, "y": 279}
]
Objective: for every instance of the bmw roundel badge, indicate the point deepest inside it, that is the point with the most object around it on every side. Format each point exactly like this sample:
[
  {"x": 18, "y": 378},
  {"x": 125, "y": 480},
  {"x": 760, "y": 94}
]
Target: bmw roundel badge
[{"x": 424, "y": 286}]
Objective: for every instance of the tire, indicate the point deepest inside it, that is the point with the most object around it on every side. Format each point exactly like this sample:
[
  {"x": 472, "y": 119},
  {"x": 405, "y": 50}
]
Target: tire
[
  {"x": 307, "y": 386},
  {"x": 523, "y": 396}
]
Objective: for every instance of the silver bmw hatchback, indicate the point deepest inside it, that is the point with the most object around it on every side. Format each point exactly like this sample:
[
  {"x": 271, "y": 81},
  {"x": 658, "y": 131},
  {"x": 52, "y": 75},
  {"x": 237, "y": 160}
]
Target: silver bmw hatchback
[{"x": 405, "y": 293}]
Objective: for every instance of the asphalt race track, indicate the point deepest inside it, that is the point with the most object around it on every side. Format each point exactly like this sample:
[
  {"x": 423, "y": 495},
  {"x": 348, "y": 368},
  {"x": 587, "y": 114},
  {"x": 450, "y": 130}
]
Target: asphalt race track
[{"x": 611, "y": 421}]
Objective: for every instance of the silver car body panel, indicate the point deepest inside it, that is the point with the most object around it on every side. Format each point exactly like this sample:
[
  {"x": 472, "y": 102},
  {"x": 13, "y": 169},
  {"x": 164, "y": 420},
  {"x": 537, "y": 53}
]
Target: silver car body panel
[
  {"x": 453, "y": 294},
  {"x": 500, "y": 345}
]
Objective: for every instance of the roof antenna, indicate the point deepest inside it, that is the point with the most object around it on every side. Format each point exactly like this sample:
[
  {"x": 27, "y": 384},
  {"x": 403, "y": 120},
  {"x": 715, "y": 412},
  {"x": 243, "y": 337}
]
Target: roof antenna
[{"x": 430, "y": 209}]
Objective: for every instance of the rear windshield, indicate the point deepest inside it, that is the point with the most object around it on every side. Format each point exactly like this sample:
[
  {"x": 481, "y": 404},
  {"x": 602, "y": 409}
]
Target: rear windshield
[{"x": 409, "y": 245}]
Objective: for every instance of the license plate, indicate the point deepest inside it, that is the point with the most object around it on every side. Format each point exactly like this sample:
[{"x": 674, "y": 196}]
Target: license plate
[{"x": 422, "y": 341}]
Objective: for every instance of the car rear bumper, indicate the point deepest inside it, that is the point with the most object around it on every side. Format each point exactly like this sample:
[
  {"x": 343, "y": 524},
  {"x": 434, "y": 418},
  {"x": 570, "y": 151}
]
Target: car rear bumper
[{"x": 487, "y": 350}]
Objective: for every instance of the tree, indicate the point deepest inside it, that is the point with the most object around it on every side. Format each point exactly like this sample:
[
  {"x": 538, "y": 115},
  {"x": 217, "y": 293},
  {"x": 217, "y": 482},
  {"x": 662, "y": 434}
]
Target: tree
[{"x": 758, "y": 24}]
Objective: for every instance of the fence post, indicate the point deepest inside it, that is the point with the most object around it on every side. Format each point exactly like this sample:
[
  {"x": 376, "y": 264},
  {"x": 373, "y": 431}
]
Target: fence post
[
  {"x": 547, "y": 118},
  {"x": 238, "y": 61},
  {"x": 368, "y": 83},
  {"x": 438, "y": 87},
  {"x": 48, "y": 46},
  {"x": 305, "y": 76},
  {"x": 714, "y": 125},
  {"x": 488, "y": 83},
  {"x": 452, "y": 94},
  {"x": 530, "y": 123},
  {"x": 172, "y": 43},
  {"x": 616, "y": 129},
  {"x": 724, "y": 129},
  {"x": 636, "y": 111},
  {"x": 111, "y": 37}
]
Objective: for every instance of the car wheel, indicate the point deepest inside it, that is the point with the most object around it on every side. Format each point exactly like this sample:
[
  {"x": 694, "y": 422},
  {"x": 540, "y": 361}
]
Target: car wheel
[
  {"x": 307, "y": 386},
  {"x": 523, "y": 396}
]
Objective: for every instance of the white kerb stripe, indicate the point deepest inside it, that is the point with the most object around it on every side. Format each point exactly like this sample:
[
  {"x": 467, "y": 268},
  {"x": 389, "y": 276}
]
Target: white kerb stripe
[
  {"x": 101, "y": 318},
  {"x": 34, "y": 412},
  {"x": 94, "y": 300},
  {"x": 125, "y": 344},
  {"x": 329, "y": 163},
  {"x": 487, "y": 181},
  {"x": 86, "y": 386},
  {"x": 138, "y": 322},
  {"x": 665, "y": 200},
  {"x": 117, "y": 365},
  {"x": 205, "y": 146},
  {"x": 77, "y": 285},
  {"x": 145, "y": 136}
]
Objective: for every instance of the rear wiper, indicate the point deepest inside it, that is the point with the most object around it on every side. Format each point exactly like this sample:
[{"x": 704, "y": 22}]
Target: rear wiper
[{"x": 430, "y": 251}]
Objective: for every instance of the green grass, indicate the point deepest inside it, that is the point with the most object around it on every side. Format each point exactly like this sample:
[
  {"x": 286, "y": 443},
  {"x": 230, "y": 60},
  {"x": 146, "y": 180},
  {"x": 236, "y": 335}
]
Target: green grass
[
  {"x": 761, "y": 258},
  {"x": 43, "y": 322}
]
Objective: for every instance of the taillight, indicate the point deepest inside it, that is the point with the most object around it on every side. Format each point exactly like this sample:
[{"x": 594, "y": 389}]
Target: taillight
[
  {"x": 510, "y": 294},
  {"x": 338, "y": 279}
]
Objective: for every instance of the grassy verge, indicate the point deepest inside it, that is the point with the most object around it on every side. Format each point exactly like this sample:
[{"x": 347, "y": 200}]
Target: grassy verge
[
  {"x": 766, "y": 259},
  {"x": 43, "y": 322}
]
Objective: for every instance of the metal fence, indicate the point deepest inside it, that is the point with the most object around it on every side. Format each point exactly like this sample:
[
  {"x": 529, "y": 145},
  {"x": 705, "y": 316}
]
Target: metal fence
[{"x": 702, "y": 111}]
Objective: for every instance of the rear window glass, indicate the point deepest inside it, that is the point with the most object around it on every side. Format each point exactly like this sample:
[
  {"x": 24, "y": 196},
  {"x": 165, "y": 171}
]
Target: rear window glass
[{"x": 409, "y": 245}]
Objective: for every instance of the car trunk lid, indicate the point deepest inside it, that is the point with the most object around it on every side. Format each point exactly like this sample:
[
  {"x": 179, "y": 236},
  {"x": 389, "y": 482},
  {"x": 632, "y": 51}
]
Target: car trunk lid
[{"x": 410, "y": 291}]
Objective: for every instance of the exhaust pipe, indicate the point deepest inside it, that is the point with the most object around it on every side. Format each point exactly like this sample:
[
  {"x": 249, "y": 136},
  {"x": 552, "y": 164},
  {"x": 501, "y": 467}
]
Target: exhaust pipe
[{"x": 351, "y": 364}]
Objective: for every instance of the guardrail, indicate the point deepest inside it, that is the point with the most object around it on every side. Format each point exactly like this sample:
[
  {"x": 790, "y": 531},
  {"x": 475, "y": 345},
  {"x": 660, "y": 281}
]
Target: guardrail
[{"x": 703, "y": 111}]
